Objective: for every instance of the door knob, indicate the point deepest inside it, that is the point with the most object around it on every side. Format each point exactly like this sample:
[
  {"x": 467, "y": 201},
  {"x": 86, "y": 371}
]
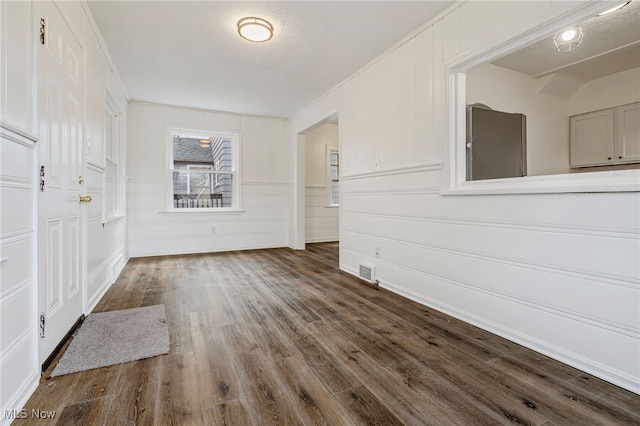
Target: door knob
[{"x": 85, "y": 198}]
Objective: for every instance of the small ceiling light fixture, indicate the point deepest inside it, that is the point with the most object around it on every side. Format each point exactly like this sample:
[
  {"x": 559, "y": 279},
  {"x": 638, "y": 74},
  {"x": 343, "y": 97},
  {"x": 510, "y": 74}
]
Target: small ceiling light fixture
[
  {"x": 205, "y": 143},
  {"x": 255, "y": 29},
  {"x": 613, "y": 9},
  {"x": 568, "y": 39}
]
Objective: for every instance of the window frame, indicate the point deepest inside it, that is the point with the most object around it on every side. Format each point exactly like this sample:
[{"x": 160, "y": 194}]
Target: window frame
[
  {"x": 112, "y": 155},
  {"x": 200, "y": 133},
  {"x": 216, "y": 167},
  {"x": 329, "y": 150},
  {"x": 455, "y": 95},
  {"x": 194, "y": 167}
]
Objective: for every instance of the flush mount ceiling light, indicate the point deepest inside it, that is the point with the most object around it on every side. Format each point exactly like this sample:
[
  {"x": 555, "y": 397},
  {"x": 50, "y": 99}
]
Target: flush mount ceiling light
[
  {"x": 568, "y": 39},
  {"x": 255, "y": 29},
  {"x": 613, "y": 9}
]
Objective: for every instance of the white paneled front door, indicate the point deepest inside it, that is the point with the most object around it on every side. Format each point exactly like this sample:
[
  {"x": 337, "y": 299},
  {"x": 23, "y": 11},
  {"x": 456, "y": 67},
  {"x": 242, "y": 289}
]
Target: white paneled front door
[{"x": 60, "y": 224}]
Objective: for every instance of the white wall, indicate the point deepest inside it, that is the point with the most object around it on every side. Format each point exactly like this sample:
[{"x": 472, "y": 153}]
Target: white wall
[
  {"x": 557, "y": 273},
  {"x": 321, "y": 220},
  {"x": 606, "y": 92},
  {"x": 547, "y": 120},
  {"x": 266, "y": 187},
  {"x": 18, "y": 280},
  {"x": 106, "y": 247}
]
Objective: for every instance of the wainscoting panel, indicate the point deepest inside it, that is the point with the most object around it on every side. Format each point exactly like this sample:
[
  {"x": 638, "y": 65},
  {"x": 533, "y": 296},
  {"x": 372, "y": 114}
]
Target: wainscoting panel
[
  {"x": 17, "y": 262},
  {"x": 520, "y": 282},
  {"x": 263, "y": 222},
  {"x": 19, "y": 372},
  {"x": 107, "y": 248},
  {"x": 18, "y": 286},
  {"x": 321, "y": 221},
  {"x": 14, "y": 304},
  {"x": 564, "y": 214},
  {"x": 578, "y": 252},
  {"x": 18, "y": 199}
]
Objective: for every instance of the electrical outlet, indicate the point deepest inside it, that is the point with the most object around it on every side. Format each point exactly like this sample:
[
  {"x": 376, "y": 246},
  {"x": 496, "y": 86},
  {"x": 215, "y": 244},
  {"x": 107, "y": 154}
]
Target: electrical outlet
[
  {"x": 378, "y": 251},
  {"x": 213, "y": 229}
]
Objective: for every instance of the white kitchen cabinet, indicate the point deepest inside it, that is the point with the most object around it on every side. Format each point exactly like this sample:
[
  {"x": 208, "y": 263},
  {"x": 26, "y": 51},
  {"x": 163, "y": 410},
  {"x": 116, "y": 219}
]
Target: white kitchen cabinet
[
  {"x": 606, "y": 137},
  {"x": 627, "y": 133}
]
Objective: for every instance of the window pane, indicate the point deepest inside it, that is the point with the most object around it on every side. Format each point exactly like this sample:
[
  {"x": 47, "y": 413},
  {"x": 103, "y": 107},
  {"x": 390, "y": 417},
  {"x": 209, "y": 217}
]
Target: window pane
[
  {"x": 194, "y": 189},
  {"x": 180, "y": 180},
  {"x": 108, "y": 135},
  {"x": 334, "y": 158},
  {"x": 110, "y": 188},
  {"x": 199, "y": 182},
  {"x": 202, "y": 172},
  {"x": 225, "y": 188},
  {"x": 334, "y": 170}
]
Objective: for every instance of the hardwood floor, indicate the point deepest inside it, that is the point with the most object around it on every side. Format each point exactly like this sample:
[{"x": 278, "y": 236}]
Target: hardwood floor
[{"x": 283, "y": 337}]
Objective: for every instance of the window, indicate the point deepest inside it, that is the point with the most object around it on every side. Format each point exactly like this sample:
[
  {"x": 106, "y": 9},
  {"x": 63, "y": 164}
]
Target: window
[
  {"x": 333, "y": 161},
  {"x": 543, "y": 97},
  {"x": 111, "y": 144},
  {"x": 203, "y": 169}
]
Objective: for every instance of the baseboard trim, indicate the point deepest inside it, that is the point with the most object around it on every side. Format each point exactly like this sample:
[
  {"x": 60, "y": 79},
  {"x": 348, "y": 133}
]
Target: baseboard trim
[
  {"x": 188, "y": 251},
  {"x": 21, "y": 397},
  {"x": 322, "y": 240}
]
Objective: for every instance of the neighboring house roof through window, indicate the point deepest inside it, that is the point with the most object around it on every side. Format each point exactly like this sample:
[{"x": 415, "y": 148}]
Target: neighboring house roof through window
[{"x": 189, "y": 150}]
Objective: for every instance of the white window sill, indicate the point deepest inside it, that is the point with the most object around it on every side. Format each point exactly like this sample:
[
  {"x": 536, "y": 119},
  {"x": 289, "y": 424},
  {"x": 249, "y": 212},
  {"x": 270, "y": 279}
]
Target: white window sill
[
  {"x": 203, "y": 210},
  {"x": 113, "y": 218},
  {"x": 614, "y": 181}
]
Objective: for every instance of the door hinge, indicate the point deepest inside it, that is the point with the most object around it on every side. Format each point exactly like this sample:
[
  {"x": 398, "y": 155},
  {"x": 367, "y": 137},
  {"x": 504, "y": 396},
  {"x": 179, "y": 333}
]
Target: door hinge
[
  {"x": 43, "y": 31},
  {"x": 42, "y": 325},
  {"x": 41, "y": 178}
]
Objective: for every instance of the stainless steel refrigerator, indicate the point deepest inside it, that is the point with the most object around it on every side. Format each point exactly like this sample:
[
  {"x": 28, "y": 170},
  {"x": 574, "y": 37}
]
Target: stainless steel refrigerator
[{"x": 496, "y": 143}]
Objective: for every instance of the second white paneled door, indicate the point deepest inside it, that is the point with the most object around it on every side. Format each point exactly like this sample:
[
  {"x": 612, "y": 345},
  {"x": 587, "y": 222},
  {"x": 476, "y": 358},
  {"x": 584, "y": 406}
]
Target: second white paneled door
[{"x": 60, "y": 163}]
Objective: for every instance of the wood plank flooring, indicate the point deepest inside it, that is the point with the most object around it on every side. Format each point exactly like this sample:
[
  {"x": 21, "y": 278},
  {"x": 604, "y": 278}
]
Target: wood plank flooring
[{"x": 283, "y": 337}]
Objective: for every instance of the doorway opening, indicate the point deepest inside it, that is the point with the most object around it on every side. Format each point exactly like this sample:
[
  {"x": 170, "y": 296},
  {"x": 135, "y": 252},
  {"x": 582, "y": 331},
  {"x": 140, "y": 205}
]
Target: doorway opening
[{"x": 319, "y": 177}]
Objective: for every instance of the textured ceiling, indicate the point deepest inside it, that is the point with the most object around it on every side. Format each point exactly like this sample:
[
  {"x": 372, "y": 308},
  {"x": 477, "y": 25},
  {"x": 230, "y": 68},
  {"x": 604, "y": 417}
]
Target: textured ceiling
[
  {"x": 189, "y": 53},
  {"x": 611, "y": 44}
]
